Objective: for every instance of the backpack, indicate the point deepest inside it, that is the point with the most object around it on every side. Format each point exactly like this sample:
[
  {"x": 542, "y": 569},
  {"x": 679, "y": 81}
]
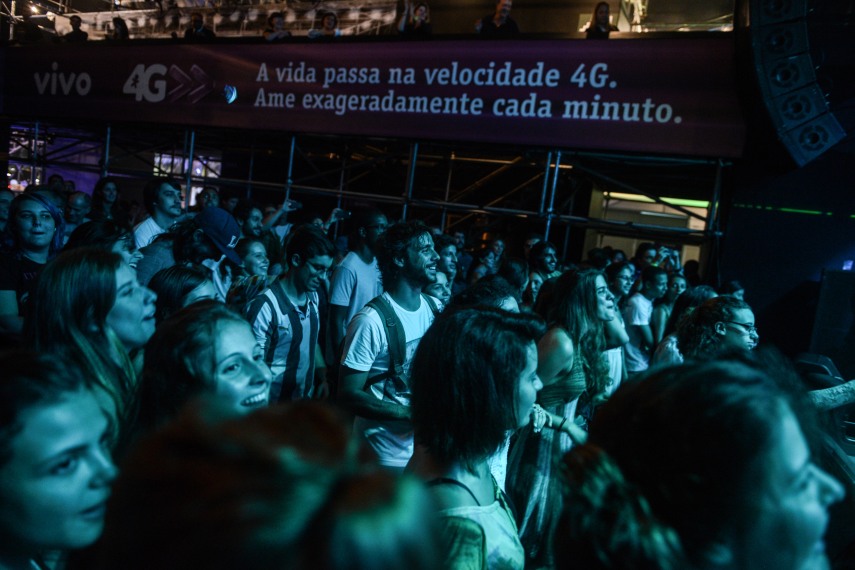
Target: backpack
[{"x": 395, "y": 338}]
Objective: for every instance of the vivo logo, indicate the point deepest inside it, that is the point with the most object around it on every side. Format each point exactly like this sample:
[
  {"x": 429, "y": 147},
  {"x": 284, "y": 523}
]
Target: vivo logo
[{"x": 62, "y": 83}]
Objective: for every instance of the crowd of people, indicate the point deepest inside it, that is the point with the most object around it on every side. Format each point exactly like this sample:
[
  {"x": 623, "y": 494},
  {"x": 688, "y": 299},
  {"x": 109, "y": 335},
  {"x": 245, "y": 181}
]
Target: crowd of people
[
  {"x": 273, "y": 400},
  {"x": 414, "y": 22}
]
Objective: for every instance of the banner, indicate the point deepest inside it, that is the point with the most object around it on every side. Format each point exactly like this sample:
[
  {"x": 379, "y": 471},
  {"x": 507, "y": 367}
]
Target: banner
[{"x": 661, "y": 96}]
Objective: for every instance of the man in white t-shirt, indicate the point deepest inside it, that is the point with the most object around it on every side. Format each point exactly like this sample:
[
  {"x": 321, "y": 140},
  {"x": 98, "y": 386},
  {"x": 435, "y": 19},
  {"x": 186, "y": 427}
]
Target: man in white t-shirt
[
  {"x": 380, "y": 402},
  {"x": 356, "y": 280},
  {"x": 636, "y": 315},
  {"x": 162, "y": 199}
]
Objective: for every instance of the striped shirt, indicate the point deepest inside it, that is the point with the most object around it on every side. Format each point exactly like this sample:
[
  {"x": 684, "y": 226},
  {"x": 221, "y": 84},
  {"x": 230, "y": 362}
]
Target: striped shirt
[{"x": 288, "y": 335}]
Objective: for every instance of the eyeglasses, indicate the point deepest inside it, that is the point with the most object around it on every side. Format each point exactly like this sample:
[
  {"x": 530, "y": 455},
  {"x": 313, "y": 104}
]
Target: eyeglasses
[
  {"x": 319, "y": 268},
  {"x": 749, "y": 328}
]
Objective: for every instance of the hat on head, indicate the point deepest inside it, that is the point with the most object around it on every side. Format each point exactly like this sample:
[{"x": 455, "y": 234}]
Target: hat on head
[{"x": 223, "y": 230}]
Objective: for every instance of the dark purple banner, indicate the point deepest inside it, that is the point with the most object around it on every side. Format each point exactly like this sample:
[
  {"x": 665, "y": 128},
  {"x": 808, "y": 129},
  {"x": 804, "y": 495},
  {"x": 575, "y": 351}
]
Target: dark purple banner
[{"x": 668, "y": 96}]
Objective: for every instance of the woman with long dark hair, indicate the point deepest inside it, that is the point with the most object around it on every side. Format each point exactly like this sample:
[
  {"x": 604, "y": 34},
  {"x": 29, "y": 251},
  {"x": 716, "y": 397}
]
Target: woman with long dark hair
[
  {"x": 89, "y": 309},
  {"x": 463, "y": 404},
  {"x": 574, "y": 372}
]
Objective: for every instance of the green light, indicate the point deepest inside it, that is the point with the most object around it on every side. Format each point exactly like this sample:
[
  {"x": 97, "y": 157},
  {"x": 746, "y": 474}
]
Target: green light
[
  {"x": 797, "y": 211},
  {"x": 672, "y": 201}
]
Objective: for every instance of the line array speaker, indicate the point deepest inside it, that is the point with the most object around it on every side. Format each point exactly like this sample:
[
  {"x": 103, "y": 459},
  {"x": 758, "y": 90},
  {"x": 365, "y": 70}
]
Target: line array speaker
[{"x": 787, "y": 78}]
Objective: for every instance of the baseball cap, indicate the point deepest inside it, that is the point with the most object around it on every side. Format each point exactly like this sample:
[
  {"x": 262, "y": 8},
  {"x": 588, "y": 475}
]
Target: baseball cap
[{"x": 222, "y": 229}]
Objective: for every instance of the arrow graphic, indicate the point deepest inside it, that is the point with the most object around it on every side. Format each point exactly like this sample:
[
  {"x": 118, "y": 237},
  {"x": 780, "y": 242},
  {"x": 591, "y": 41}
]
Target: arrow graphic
[{"x": 195, "y": 87}]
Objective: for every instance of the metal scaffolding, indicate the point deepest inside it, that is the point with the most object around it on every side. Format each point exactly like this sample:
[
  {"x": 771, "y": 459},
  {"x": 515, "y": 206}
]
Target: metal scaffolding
[{"x": 448, "y": 183}]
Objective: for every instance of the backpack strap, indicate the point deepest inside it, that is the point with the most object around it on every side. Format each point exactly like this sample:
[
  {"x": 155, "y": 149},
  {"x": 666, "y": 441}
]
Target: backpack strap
[
  {"x": 432, "y": 304},
  {"x": 395, "y": 337}
]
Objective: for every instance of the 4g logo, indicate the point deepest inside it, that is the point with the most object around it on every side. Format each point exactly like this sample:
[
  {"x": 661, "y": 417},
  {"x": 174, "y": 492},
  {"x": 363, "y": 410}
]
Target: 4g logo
[{"x": 147, "y": 82}]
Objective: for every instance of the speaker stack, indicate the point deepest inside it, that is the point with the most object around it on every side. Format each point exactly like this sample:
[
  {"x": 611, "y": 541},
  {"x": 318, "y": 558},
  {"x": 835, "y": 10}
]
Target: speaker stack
[{"x": 787, "y": 78}]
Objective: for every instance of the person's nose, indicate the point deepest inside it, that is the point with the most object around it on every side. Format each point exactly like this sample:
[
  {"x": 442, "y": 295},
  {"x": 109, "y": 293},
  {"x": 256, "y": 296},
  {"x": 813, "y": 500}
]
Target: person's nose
[
  {"x": 261, "y": 373},
  {"x": 104, "y": 469},
  {"x": 831, "y": 491}
]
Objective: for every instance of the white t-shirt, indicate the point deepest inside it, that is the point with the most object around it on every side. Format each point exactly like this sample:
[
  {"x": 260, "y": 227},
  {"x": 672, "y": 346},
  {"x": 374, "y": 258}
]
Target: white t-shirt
[
  {"x": 146, "y": 231},
  {"x": 354, "y": 283},
  {"x": 366, "y": 349},
  {"x": 638, "y": 311}
]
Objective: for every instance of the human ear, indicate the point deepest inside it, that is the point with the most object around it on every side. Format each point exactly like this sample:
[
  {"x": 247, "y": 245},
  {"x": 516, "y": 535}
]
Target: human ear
[
  {"x": 296, "y": 260},
  {"x": 720, "y": 328}
]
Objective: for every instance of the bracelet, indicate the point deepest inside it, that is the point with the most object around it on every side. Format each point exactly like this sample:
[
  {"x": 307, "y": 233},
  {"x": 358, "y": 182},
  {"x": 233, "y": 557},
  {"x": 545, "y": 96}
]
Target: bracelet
[{"x": 561, "y": 425}]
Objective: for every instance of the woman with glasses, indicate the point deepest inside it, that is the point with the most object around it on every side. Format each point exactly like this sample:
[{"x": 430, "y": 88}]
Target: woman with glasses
[{"x": 718, "y": 325}]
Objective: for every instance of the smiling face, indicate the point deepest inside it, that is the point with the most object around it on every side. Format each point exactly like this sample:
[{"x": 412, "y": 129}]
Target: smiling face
[
  {"x": 549, "y": 260},
  {"x": 441, "y": 289},
  {"x": 128, "y": 250},
  {"x": 789, "y": 497},
  {"x": 241, "y": 375},
  {"x": 254, "y": 224},
  {"x": 255, "y": 261},
  {"x": 132, "y": 315},
  {"x": 622, "y": 283},
  {"x": 420, "y": 265},
  {"x": 527, "y": 388},
  {"x": 55, "y": 486},
  {"x": 605, "y": 300},
  {"x": 35, "y": 226}
]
